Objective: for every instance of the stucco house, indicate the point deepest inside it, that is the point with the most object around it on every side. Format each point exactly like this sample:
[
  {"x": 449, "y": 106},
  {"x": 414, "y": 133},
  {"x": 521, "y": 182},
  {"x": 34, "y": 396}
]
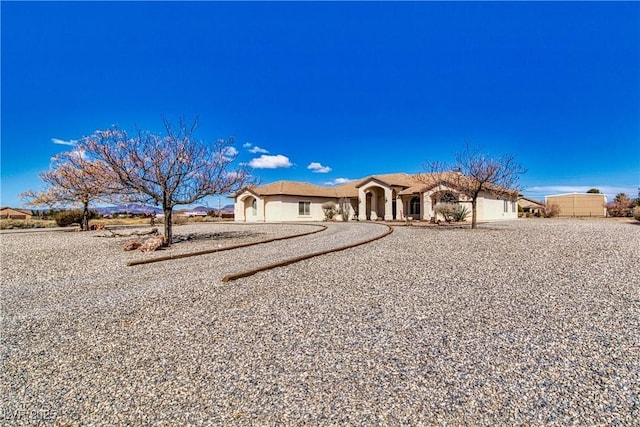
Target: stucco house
[
  {"x": 530, "y": 206},
  {"x": 386, "y": 197},
  {"x": 11, "y": 213}
]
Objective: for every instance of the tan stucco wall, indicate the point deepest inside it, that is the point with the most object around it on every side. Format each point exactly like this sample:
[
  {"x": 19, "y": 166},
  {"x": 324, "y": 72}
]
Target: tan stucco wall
[
  {"x": 285, "y": 208},
  {"x": 281, "y": 208},
  {"x": 491, "y": 208}
]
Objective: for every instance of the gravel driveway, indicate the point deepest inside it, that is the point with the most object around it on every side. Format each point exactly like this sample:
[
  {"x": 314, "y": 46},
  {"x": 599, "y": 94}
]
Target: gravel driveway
[{"x": 523, "y": 322}]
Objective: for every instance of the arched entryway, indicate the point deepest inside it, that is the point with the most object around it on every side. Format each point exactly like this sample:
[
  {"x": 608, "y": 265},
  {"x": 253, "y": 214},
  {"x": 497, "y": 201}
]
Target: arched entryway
[
  {"x": 414, "y": 207},
  {"x": 250, "y": 208},
  {"x": 375, "y": 203}
]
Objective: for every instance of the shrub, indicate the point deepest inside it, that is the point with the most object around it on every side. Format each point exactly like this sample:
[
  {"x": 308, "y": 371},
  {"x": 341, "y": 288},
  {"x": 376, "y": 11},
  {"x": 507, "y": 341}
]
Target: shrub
[
  {"x": 68, "y": 217},
  {"x": 461, "y": 214},
  {"x": 330, "y": 211},
  {"x": 550, "y": 210},
  {"x": 344, "y": 208},
  {"x": 175, "y": 219},
  {"x": 636, "y": 213},
  {"x": 620, "y": 206},
  {"x": 447, "y": 210},
  {"x": 10, "y": 224}
]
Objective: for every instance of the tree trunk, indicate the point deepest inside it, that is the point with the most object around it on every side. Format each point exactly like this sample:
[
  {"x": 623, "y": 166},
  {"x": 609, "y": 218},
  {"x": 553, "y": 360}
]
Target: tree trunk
[
  {"x": 474, "y": 213},
  {"x": 168, "y": 233},
  {"x": 85, "y": 217}
]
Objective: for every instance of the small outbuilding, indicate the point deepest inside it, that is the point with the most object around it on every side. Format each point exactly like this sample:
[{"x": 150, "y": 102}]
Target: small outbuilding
[
  {"x": 580, "y": 204},
  {"x": 11, "y": 213}
]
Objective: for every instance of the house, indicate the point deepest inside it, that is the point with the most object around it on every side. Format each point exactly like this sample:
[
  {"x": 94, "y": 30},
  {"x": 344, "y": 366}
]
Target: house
[
  {"x": 386, "y": 197},
  {"x": 580, "y": 204},
  {"x": 11, "y": 213},
  {"x": 530, "y": 206}
]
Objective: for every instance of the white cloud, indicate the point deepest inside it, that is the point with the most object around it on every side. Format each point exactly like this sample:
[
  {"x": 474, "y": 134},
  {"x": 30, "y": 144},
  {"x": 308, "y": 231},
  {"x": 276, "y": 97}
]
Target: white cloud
[
  {"x": 228, "y": 154},
  {"x": 318, "y": 168},
  {"x": 256, "y": 150},
  {"x": 71, "y": 142},
  {"x": 80, "y": 154},
  {"x": 231, "y": 151},
  {"x": 338, "y": 181},
  {"x": 270, "y": 162}
]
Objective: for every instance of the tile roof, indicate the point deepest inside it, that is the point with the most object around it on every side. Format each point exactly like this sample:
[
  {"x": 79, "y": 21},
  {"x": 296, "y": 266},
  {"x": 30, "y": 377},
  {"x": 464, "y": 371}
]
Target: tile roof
[
  {"x": 24, "y": 211},
  {"x": 391, "y": 179},
  {"x": 293, "y": 188},
  {"x": 411, "y": 184},
  {"x": 527, "y": 202}
]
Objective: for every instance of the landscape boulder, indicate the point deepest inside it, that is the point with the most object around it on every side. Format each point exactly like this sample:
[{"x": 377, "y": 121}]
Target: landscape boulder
[
  {"x": 132, "y": 245},
  {"x": 152, "y": 244}
]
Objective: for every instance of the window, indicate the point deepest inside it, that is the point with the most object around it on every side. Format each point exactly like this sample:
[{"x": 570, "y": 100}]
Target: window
[
  {"x": 506, "y": 206},
  {"x": 414, "y": 206},
  {"x": 254, "y": 207},
  {"x": 513, "y": 207},
  {"x": 448, "y": 198},
  {"x": 304, "y": 208}
]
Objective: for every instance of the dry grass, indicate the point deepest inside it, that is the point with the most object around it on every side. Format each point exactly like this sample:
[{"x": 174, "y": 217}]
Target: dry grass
[
  {"x": 9, "y": 224},
  {"x": 120, "y": 221}
]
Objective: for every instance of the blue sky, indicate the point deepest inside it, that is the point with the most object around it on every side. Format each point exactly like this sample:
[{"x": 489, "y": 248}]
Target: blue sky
[{"x": 327, "y": 91}]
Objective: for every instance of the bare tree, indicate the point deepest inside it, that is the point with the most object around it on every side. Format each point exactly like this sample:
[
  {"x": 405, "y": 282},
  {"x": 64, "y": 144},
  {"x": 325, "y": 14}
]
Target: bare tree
[
  {"x": 72, "y": 180},
  {"x": 473, "y": 173},
  {"x": 550, "y": 210},
  {"x": 621, "y": 205},
  {"x": 167, "y": 170},
  {"x": 344, "y": 207}
]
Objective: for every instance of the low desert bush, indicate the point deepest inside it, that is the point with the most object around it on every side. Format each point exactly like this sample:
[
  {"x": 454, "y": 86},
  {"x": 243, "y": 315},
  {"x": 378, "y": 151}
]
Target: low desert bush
[
  {"x": 344, "y": 208},
  {"x": 330, "y": 211},
  {"x": 210, "y": 218},
  {"x": 68, "y": 217},
  {"x": 621, "y": 206},
  {"x": 12, "y": 224},
  {"x": 175, "y": 220},
  {"x": 447, "y": 210},
  {"x": 550, "y": 210}
]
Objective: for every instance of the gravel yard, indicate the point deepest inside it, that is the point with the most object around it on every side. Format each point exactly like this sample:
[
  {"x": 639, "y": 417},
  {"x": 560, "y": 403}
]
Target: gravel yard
[{"x": 530, "y": 322}]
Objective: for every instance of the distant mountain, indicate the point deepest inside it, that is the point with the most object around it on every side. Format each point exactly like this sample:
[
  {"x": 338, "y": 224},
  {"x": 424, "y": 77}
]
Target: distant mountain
[
  {"x": 225, "y": 209},
  {"x": 136, "y": 208},
  {"x": 202, "y": 209},
  {"x": 132, "y": 208}
]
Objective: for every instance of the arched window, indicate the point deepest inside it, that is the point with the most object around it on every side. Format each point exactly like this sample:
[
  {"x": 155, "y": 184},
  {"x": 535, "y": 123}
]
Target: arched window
[
  {"x": 414, "y": 206},
  {"x": 448, "y": 197}
]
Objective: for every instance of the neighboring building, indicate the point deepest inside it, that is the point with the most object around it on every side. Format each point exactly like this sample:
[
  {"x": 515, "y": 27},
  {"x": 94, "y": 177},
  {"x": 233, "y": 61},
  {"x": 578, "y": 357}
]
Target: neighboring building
[
  {"x": 580, "y": 204},
  {"x": 11, "y": 213},
  {"x": 530, "y": 206},
  {"x": 390, "y": 197}
]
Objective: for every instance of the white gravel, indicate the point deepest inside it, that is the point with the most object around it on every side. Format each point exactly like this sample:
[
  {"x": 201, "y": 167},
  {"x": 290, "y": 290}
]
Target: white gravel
[{"x": 532, "y": 322}]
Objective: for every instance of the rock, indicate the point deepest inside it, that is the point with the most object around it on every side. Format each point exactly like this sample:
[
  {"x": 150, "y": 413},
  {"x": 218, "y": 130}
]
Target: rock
[
  {"x": 132, "y": 245},
  {"x": 152, "y": 244}
]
